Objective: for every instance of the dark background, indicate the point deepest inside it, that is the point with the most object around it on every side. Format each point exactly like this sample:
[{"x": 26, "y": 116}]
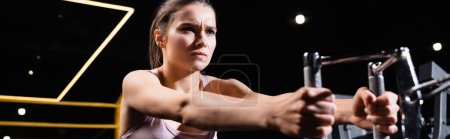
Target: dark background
[{"x": 55, "y": 38}]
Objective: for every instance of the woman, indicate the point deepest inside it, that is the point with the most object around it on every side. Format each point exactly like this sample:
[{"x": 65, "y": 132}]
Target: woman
[{"x": 173, "y": 100}]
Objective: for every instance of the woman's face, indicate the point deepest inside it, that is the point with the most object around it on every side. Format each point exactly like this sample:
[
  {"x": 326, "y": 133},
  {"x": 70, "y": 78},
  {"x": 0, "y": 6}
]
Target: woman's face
[{"x": 191, "y": 37}]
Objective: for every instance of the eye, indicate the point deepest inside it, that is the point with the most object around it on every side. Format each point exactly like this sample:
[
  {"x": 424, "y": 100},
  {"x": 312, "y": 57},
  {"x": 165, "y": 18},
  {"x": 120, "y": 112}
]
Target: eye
[
  {"x": 211, "y": 32},
  {"x": 187, "y": 29}
]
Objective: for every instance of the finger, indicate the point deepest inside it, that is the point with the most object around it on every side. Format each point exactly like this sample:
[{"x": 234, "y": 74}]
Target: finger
[
  {"x": 387, "y": 98},
  {"x": 382, "y": 120},
  {"x": 294, "y": 118},
  {"x": 317, "y": 120},
  {"x": 325, "y": 130},
  {"x": 366, "y": 96},
  {"x": 321, "y": 107},
  {"x": 383, "y": 111},
  {"x": 297, "y": 106},
  {"x": 318, "y": 94},
  {"x": 318, "y": 131},
  {"x": 391, "y": 129}
]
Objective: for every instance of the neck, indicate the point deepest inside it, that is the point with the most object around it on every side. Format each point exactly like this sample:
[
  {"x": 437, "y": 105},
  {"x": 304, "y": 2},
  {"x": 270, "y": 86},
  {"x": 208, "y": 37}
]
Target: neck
[{"x": 179, "y": 79}]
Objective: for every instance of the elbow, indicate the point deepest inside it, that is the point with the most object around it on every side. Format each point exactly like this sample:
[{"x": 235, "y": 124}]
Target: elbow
[
  {"x": 187, "y": 116},
  {"x": 186, "y": 112},
  {"x": 191, "y": 114}
]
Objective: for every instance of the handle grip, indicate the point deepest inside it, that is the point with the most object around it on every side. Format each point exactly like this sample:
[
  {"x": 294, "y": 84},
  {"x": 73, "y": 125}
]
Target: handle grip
[{"x": 376, "y": 85}]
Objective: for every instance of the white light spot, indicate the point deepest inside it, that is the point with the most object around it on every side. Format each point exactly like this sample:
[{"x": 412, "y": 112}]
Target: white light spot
[
  {"x": 300, "y": 19},
  {"x": 6, "y": 137},
  {"x": 437, "y": 46},
  {"x": 407, "y": 98},
  {"x": 21, "y": 111},
  {"x": 30, "y": 72},
  {"x": 420, "y": 102}
]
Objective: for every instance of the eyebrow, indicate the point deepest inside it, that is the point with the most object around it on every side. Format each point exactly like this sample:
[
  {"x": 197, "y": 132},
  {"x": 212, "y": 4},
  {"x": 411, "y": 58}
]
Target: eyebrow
[{"x": 195, "y": 24}]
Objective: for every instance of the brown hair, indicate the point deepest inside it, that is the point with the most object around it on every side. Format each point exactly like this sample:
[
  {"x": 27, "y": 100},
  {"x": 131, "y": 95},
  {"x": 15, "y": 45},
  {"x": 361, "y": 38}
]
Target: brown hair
[{"x": 163, "y": 17}]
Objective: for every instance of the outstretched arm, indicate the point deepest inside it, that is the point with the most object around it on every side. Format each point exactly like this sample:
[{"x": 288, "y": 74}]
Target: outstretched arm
[
  {"x": 365, "y": 109},
  {"x": 288, "y": 113},
  {"x": 143, "y": 92}
]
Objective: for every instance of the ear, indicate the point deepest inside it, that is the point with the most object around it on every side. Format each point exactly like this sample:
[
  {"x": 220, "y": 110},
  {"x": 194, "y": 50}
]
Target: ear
[{"x": 159, "y": 38}]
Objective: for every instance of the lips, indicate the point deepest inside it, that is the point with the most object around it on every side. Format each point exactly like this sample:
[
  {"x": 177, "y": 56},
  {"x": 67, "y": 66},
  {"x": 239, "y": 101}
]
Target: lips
[{"x": 198, "y": 53}]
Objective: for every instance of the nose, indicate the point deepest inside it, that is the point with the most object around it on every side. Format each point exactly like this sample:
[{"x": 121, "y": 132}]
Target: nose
[{"x": 200, "y": 42}]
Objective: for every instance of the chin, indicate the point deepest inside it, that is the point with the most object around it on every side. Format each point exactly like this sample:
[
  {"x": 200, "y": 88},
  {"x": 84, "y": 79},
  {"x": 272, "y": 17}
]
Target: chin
[{"x": 199, "y": 65}]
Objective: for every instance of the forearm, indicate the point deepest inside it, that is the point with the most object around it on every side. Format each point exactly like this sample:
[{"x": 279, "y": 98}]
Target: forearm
[
  {"x": 344, "y": 111},
  {"x": 211, "y": 111}
]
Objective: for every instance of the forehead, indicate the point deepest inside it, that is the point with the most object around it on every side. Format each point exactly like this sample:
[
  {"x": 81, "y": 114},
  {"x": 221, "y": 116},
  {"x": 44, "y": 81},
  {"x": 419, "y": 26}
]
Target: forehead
[{"x": 196, "y": 13}]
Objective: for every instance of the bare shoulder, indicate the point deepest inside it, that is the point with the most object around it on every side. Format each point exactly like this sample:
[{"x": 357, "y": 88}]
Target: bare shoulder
[
  {"x": 132, "y": 83},
  {"x": 139, "y": 78},
  {"x": 145, "y": 75}
]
